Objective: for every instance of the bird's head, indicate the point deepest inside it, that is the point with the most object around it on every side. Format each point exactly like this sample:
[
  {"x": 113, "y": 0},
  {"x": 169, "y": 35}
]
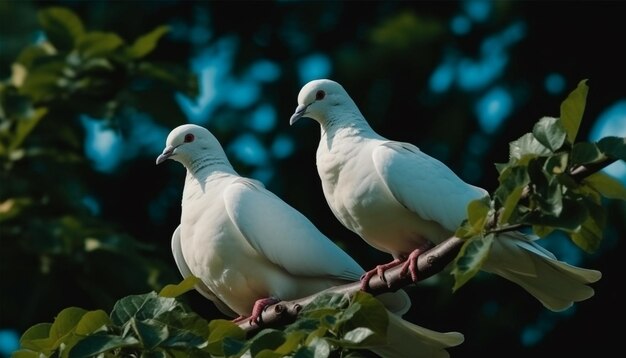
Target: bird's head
[
  {"x": 318, "y": 98},
  {"x": 188, "y": 142}
]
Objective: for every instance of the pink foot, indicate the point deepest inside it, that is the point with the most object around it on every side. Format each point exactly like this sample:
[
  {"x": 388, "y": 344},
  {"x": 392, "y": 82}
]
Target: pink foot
[
  {"x": 380, "y": 271},
  {"x": 238, "y": 319},
  {"x": 259, "y": 306},
  {"x": 410, "y": 265}
]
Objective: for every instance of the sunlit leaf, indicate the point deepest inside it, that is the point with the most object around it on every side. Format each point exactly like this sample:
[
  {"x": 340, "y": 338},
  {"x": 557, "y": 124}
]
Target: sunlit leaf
[
  {"x": 92, "y": 321},
  {"x": 320, "y": 347},
  {"x": 510, "y": 204},
  {"x": 477, "y": 211},
  {"x": 147, "y": 43},
  {"x": 470, "y": 259},
  {"x": 36, "y": 338},
  {"x": 185, "y": 285},
  {"x": 614, "y": 147},
  {"x": 572, "y": 110},
  {"x": 66, "y": 322},
  {"x": 95, "y": 44},
  {"x": 525, "y": 145},
  {"x": 550, "y": 133},
  {"x": 25, "y": 354},
  {"x": 62, "y": 27},
  {"x": 142, "y": 307},
  {"x": 355, "y": 337},
  {"x": 606, "y": 185}
]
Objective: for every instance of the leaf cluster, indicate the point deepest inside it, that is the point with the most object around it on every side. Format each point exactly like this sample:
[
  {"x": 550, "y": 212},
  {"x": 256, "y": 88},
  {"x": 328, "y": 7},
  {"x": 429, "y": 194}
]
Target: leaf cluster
[
  {"x": 538, "y": 188},
  {"x": 159, "y": 325}
]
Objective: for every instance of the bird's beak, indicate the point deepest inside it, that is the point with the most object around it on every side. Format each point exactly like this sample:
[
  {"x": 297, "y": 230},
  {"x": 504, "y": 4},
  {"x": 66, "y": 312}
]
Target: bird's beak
[
  {"x": 300, "y": 112},
  {"x": 167, "y": 153}
]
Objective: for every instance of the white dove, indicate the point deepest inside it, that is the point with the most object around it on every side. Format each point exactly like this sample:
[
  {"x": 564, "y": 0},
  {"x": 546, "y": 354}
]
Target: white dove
[
  {"x": 399, "y": 199},
  {"x": 249, "y": 248}
]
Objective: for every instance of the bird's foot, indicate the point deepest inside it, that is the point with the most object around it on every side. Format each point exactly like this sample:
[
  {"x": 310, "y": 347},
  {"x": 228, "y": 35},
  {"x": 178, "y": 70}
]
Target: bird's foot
[
  {"x": 410, "y": 265},
  {"x": 259, "y": 307},
  {"x": 380, "y": 271}
]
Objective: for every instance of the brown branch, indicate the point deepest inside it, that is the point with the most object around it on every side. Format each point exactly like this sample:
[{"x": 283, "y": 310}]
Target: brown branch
[{"x": 429, "y": 263}]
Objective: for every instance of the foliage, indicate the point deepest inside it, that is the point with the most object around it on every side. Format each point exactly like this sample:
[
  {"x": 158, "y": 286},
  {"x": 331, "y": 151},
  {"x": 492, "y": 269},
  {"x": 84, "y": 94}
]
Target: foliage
[
  {"x": 162, "y": 326},
  {"x": 49, "y": 225},
  {"x": 537, "y": 188}
]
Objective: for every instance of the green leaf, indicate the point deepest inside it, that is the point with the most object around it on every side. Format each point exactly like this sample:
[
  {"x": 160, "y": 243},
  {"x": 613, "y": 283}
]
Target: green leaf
[
  {"x": 25, "y": 354},
  {"x": 589, "y": 236},
  {"x": 232, "y": 347},
  {"x": 219, "y": 330},
  {"x": 550, "y": 133},
  {"x": 372, "y": 313},
  {"x": 147, "y": 43},
  {"x": 573, "y": 214},
  {"x": 45, "y": 82},
  {"x": 95, "y": 344},
  {"x": 320, "y": 347},
  {"x": 355, "y": 337},
  {"x": 585, "y": 153},
  {"x": 36, "y": 338},
  {"x": 527, "y": 145},
  {"x": 477, "y": 211},
  {"x": 542, "y": 231},
  {"x": 62, "y": 27},
  {"x": 25, "y": 126},
  {"x": 98, "y": 44},
  {"x": 266, "y": 339},
  {"x": 92, "y": 321},
  {"x": 614, "y": 147},
  {"x": 556, "y": 164},
  {"x": 471, "y": 258},
  {"x": 510, "y": 204},
  {"x": 185, "y": 285},
  {"x": 572, "y": 110},
  {"x": 150, "y": 334},
  {"x": 66, "y": 322},
  {"x": 142, "y": 307},
  {"x": 179, "y": 79},
  {"x": 606, "y": 185},
  {"x": 292, "y": 342}
]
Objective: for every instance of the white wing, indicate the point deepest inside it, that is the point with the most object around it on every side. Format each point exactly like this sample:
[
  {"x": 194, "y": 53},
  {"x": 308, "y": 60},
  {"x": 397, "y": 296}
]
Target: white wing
[
  {"x": 284, "y": 235},
  {"x": 423, "y": 184},
  {"x": 186, "y": 272}
]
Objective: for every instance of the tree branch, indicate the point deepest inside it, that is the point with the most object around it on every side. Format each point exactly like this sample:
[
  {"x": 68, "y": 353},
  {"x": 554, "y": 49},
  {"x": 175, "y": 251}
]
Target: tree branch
[{"x": 429, "y": 263}]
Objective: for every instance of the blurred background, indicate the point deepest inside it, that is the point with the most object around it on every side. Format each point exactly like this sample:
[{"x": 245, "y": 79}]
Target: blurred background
[{"x": 86, "y": 217}]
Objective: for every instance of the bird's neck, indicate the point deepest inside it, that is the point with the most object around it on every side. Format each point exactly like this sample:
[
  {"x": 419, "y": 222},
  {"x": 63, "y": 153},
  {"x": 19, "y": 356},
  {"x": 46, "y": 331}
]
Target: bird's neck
[
  {"x": 347, "y": 122},
  {"x": 202, "y": 167}
]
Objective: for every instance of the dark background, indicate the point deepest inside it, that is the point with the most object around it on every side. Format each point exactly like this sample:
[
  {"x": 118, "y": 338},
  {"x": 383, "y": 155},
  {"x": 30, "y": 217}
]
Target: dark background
[{"x": 384, "y": 54}]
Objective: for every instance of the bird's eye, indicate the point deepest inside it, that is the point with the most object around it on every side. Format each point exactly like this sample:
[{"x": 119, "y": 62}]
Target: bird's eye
[
  {"x": 189, "y": 138},
  {"x": 319, "y": 95}
]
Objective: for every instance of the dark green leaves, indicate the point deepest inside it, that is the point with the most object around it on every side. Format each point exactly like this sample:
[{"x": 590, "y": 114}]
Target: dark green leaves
[{"x": 142, "y": 323}]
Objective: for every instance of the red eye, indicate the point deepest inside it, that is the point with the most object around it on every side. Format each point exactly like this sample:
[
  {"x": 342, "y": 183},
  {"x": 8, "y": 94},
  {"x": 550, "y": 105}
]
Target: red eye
[
  {"x": 189, "y": 138},
  {"x": 319, "y": 95}
]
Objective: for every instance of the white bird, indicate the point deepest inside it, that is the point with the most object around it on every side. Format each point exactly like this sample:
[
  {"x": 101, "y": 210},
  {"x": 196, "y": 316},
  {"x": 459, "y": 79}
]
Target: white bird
[
  {"x": 249, "y": 248},
  {"x": 398, "y": 199}
]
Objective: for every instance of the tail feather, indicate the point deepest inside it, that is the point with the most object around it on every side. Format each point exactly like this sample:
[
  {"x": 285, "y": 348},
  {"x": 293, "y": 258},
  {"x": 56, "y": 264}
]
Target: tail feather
[
  {"x": 556, "y": 284},
  {"x": 405, "y": 339}
]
